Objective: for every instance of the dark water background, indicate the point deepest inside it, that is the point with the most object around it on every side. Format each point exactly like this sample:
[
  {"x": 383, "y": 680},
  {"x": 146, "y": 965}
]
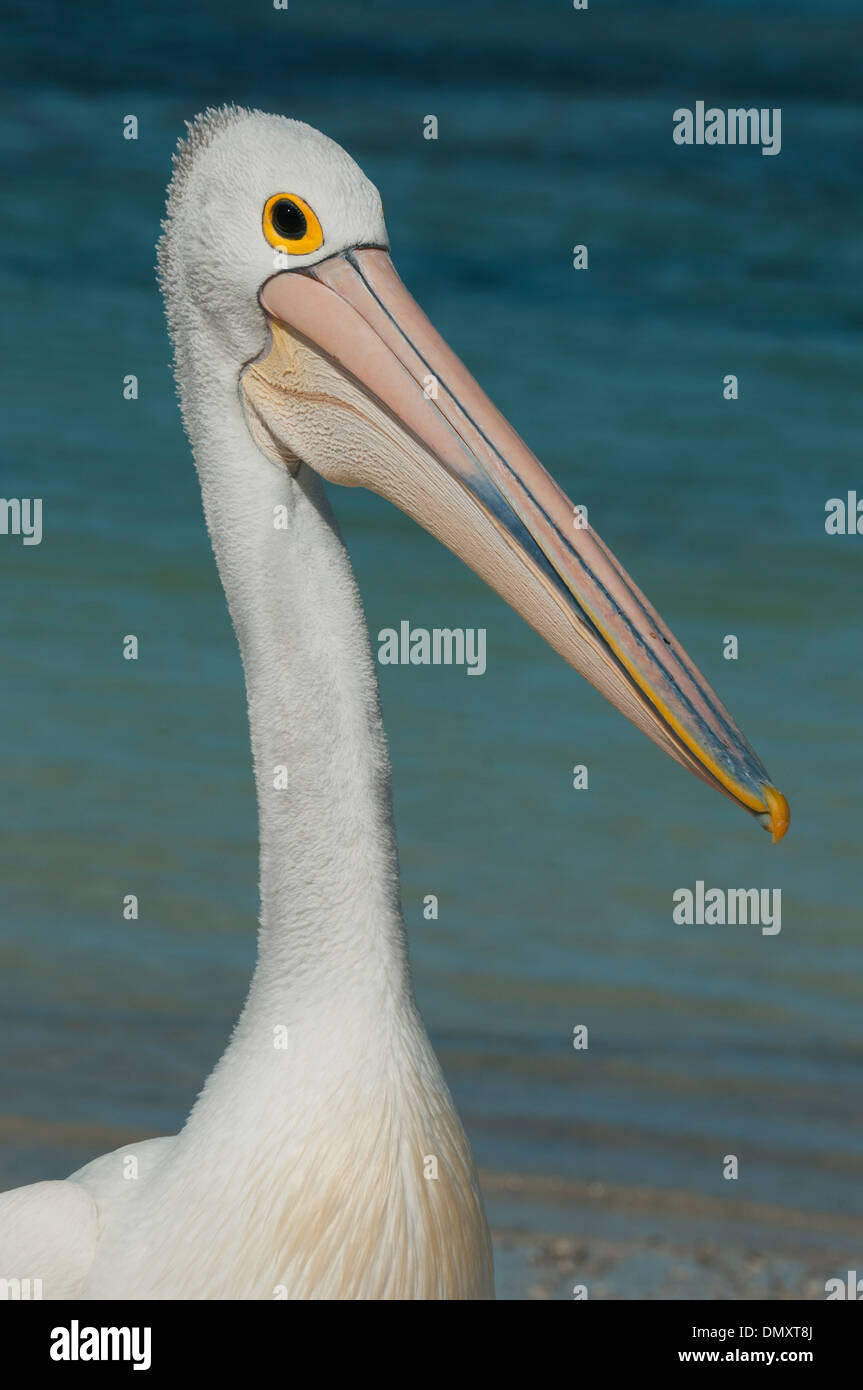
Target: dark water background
[{"x": 555, "y": 129}]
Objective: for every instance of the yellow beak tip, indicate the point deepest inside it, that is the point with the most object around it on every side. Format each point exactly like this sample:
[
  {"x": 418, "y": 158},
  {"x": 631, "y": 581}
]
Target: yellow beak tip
[{"x": 778, "y": 816}]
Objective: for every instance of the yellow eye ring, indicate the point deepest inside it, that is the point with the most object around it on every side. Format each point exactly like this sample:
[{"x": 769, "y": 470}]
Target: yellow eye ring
[{"x": 290, "y": 225}]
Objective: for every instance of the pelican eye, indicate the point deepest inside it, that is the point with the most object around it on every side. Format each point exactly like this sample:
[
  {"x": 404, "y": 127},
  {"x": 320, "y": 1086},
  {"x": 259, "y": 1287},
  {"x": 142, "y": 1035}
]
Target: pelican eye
[
  {"x": 290, "y": 225},
  {"x": 289, "y": 220}
]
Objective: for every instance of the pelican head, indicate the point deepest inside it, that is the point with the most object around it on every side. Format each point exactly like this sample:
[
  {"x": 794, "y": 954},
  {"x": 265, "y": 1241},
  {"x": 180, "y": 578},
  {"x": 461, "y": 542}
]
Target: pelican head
[{"x": 278, "y": 239}]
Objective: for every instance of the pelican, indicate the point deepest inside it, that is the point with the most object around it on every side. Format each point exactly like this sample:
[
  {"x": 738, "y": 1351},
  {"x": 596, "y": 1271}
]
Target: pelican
[{"x": 324, "y": 1158}]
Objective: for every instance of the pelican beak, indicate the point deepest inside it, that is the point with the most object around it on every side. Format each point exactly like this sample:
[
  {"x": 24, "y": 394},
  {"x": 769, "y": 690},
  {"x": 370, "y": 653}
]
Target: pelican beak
[{"x": 355, "y": 382}]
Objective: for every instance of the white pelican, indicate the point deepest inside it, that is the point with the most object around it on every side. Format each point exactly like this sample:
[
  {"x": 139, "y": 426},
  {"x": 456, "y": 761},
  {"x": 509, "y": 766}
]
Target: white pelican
[{"x": 307, "y": 1170}]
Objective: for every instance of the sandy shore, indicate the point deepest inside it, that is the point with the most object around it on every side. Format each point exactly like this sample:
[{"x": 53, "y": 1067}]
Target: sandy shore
[
  {"x": 550, "y": 1268},
  {"x": 645, "y": 1243}
]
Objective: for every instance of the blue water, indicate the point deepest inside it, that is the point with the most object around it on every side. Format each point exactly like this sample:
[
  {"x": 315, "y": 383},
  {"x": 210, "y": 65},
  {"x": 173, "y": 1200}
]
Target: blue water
[{"x": 555, "y": 905}]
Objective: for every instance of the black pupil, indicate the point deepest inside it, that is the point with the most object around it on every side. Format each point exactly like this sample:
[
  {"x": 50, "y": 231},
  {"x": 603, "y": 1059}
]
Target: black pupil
[{"x": 289, "y": 220}]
